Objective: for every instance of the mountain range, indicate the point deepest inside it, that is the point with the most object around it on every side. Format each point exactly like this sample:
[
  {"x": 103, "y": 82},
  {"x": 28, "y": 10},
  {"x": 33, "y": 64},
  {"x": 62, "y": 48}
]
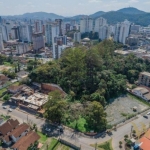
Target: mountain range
[{"x": 132, "y": 14}]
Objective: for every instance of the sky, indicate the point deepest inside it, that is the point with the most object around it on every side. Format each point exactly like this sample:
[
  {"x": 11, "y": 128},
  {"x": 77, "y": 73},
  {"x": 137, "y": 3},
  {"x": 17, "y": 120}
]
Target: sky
[{"x": 68, "y": 7}]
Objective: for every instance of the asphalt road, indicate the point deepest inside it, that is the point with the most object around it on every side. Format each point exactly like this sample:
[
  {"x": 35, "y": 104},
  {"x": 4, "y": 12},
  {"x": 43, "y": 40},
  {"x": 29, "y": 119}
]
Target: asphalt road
[
  {"x": 21, "y": 116},
  {"x": 84, "y": 142}
]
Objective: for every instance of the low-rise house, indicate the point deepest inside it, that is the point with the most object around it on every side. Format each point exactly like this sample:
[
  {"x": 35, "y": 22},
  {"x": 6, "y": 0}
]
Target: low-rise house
[
  {"x": 14, "y": 89},
  {"x": 22, "y": 74},
  {"x": 6, "y": 129},
  {"x": 142, "y": 92},
  {"x": 25, "y": 142},
  {"x": 19, "y": 132},
  {"x": 3, "y": 80},
  {"x": 145, "y": 141}
]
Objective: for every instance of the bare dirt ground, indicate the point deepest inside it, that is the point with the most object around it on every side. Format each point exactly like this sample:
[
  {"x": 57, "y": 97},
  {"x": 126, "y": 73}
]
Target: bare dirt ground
[{"x": 3, "y": 67}]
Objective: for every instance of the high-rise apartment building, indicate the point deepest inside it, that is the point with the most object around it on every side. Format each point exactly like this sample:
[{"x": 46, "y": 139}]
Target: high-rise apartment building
[
  {"x": 51, "y": 30},
  {"x": 103, "y": 32},
  {"x": 1, "y": 42},
  {"x": 124, "y": 31},
  {"x": 77, "y": 37},
  {"x": 117, "y": 32},
  {"x": 98, "y": 23},
  {"x": 38, "y": 26},
  {"x": 86, "y": 25},
  {"x": 38, "y": 41}
]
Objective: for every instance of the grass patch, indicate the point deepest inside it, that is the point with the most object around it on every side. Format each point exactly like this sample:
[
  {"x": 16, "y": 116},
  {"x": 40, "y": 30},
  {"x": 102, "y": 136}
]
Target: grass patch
[
  {"x": 5, "y": 117},
  {"x": 43, "y": 137},
  {"x": 52, "y": 144},
  {"x": 127, "y": 115},
  {"x": 2, "y": 91},
  {"x": 104, "y": 146},
  {"x": 139, "y": 99},
  {"x": 80, "y": 125},
  {"x": 55, "y": 145}
]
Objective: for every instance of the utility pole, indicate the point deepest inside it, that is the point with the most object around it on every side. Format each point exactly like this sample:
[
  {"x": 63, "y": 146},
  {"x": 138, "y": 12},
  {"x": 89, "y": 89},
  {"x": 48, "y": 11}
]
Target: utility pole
[{"x": 95, "y": 146}]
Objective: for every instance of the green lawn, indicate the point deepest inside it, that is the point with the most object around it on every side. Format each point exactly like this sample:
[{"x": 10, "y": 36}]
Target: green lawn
[
  {"x": 81, "y": 125},
  {"x": 8, "y": 64},
  {"x": 43, "y": 137},
  {"x": 55, "y": 145},
  {"x": 2, "y": 91},
  {"x": 52, "y": 144},
  {"x": 5, "y": 117},
  {"x": 104, "y": 146}
]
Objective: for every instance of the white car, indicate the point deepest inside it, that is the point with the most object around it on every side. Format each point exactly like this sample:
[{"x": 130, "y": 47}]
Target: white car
[
  {"x": 10, "y": 110},
  {"x": 4, "y": 107},
  {"x": 148, "y": 113},
  {"x": 47, "y": 129}
]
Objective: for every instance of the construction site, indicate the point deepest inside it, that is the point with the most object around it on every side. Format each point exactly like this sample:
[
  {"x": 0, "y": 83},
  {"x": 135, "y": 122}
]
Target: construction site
[{"x": 30, "y": 98}]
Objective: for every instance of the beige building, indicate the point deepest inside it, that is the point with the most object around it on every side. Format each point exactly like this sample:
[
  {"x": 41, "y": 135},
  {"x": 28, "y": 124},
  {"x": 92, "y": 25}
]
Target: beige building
[{"x": 144, "y": 79}]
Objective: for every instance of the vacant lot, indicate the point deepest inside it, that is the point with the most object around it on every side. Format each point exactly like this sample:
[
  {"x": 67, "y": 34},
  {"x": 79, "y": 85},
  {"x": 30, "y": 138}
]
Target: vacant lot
[
  {"x": 121, "y": 108},
  {"x": 4, "y": 67}
]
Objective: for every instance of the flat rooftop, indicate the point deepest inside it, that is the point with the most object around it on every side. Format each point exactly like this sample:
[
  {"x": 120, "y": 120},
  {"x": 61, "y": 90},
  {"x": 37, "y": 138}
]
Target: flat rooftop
[{"x": 145, "y": 73}]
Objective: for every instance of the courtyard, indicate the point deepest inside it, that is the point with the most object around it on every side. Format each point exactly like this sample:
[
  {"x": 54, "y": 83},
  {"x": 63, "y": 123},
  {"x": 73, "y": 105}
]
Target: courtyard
[{"x": 122, "y": 107}]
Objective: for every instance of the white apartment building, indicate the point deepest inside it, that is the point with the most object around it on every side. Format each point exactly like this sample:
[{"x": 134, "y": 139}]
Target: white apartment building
[
  {"x": 4, "y": 32},
  {"x": 51, "y": 31},
  {"x": 124, "y": 31},
  {"x": 26, "y": 33},
  {"x": 103, "y": 32},
  {"x": 86, "y": 25},
  {"x": 38, "y": 26},
  {"x": 117, "y": 32},
  {"x": 1, "y": 42},
  {"x": 98, "y": 23},
  {"x": 77, "y": 37}
]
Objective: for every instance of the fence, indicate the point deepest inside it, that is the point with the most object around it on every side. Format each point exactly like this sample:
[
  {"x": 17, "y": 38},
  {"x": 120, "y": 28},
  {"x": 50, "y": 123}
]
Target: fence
[{"x": 69, "y": 144}]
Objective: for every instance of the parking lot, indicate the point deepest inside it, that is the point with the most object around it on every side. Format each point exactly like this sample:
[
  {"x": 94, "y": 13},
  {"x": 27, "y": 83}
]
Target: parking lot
[
  {"x": 52, "y": 130},
  {"x": 122, "y": 107}
]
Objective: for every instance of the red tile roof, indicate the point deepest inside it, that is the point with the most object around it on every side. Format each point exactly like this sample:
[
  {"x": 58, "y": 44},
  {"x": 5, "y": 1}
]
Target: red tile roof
[
  {"x": 19, "y": 130},
  {"x": 145, "y": 140},
  {"x": 8, "y": 126},
  {"x": 26, "y": 141}
]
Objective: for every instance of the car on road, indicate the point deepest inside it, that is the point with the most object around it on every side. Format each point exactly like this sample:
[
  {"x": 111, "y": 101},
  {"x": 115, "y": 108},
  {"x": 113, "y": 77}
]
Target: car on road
[
  {"x": 148, "y": 113},
  {"x": 4, "y": 107},
  {"x": 145, "y": 116},
  {"x": 48, "y": 129},
  {"x": 10, "y": 110}
]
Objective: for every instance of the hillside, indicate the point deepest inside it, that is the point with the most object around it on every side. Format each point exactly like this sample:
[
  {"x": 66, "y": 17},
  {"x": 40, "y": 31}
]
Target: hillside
[
  {"x": 130, "y": 13},
  {"x": 131, "y": 10}
]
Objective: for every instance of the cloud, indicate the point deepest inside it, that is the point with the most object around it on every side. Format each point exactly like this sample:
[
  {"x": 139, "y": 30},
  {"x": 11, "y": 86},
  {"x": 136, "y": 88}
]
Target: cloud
[
  {"x": 133, "y": 1},
  {"x": 95, "y": 1}
]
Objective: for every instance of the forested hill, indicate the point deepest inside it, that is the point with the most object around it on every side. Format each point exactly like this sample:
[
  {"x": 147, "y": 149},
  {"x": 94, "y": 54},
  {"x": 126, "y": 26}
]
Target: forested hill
[{"x": 95, "y": 74}]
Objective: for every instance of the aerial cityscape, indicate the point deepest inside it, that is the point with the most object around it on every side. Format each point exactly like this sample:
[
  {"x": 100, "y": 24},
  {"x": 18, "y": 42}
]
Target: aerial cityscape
[{"x": 75, "y": 75}]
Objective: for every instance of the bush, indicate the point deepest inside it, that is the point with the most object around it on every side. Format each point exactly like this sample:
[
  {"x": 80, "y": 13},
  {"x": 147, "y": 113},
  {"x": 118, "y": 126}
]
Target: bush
[
  {"x": 120, "y": 142},
  {"x": 6, "y": 97}
]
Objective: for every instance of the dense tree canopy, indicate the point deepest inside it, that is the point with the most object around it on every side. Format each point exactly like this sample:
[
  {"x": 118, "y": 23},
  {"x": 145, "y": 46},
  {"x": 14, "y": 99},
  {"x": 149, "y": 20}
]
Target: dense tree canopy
[{"x": 92, "y": 75}]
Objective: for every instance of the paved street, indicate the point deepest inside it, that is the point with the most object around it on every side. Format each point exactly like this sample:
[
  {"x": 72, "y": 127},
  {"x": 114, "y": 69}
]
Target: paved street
[{"x": 84, "y": 142}]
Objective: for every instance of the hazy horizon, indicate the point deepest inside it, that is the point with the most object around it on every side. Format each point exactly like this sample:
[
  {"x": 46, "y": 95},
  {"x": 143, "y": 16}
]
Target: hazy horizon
[{"x": 68, "y": 8}]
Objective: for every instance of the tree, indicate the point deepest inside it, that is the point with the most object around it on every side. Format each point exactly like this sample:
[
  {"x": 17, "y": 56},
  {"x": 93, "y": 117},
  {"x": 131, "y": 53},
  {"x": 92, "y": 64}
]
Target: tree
[
  {"x": 6, "y": 97},
  {"x": 55, "y": 107},
  {"x": 96, "y": 117}
]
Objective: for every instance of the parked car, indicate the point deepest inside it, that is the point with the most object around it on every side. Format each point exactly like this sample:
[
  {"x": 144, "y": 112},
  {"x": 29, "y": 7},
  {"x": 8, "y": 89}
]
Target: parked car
[
  {"x": 148, "y": 113},
  {"x": 145, "y": 116},
  {"x": 48, "y": 129},
  {"x": 4, "y": 107},
  {"x": 10, "y": 110}
]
